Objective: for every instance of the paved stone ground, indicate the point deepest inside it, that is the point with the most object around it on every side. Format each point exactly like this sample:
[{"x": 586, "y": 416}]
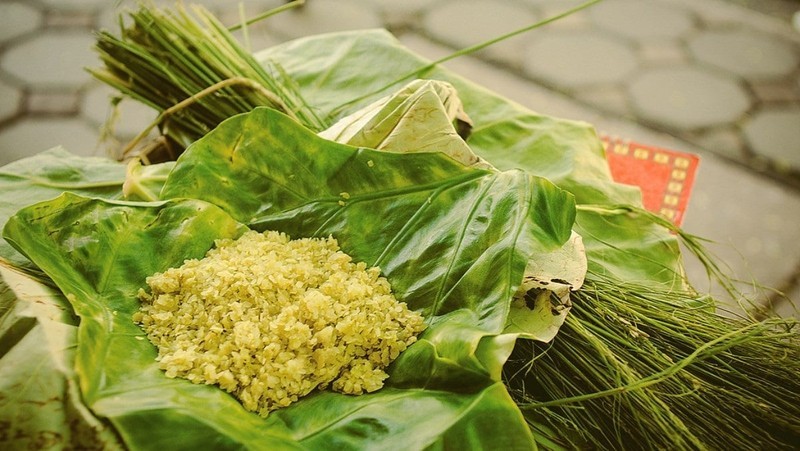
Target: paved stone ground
[{"x": 710, "y": 77}]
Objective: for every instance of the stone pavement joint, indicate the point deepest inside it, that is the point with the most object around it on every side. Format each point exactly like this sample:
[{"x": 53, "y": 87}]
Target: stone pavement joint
[
  {"x": 639, "y": 20},
  {"x": 749, "y": 55},
  {"x": 568, "y": 60}
]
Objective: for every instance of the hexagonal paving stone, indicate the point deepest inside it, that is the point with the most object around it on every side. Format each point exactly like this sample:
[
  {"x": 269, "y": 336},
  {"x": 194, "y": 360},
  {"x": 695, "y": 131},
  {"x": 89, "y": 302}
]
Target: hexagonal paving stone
[
  {"x": 747, "y": 54},
  {"x": 31, "y": 136},
  {"x": 321, "y": 16},
  {"x": 17, "y": 19},
  {"x": 54, "y": 59},
  {"x": 687, "y": 97},
  {"x": 402, "y": 14},
  {"x": 579, "y": 59},
  {"x": 641, "y": 20},
  {"x": 775, "y": 133},
  {"x": 466, "y": 23},
  {"x": 9, "y": 106}
]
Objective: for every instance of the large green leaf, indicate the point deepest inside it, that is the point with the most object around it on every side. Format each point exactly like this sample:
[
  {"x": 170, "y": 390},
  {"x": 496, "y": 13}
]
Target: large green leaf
[
  {"x": 446, "y": 236},
  {"x": 332, "y": 71},
  {"x": 47, "y": 175},
  {"x": 40, "y": 403}
]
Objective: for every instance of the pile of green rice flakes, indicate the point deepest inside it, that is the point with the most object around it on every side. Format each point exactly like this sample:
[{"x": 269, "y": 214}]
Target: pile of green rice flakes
[{"x": 270, "y": 319}]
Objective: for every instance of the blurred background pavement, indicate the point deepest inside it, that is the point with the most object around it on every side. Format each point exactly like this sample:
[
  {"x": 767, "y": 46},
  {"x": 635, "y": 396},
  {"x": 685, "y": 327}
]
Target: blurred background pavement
[{"x": 719, "y": 78}]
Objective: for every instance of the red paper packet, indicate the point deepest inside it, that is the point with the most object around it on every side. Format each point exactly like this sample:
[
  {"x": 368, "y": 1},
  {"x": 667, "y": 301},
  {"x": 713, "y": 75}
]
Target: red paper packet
[{"x": 665, "y": 176}]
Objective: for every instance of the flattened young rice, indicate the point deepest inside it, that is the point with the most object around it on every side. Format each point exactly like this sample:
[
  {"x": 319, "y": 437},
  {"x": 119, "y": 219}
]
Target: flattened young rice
[{"x": 270, "y": 319}]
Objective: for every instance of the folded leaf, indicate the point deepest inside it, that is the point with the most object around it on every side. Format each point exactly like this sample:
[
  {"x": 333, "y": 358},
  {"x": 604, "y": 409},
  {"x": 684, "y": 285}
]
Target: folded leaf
[
  {"x": 144, "y": 182},
  {"x": 424, "y": 116},
  {"x": 543, "y": 301}
]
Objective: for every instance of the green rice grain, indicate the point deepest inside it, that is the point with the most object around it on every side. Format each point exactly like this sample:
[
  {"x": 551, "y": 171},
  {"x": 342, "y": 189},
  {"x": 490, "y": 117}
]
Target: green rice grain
[{"x": 270, "y": 319}]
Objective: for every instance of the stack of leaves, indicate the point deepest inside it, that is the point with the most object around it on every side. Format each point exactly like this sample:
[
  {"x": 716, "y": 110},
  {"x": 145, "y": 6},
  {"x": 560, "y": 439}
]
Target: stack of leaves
[
  {"x": 640, "y": 361},
  {"x": 100, "y": 251}
]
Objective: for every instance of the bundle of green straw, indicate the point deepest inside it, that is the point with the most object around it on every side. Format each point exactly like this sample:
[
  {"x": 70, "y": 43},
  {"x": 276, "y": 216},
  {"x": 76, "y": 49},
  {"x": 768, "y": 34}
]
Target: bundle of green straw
[{"x": 194, "y": 73}]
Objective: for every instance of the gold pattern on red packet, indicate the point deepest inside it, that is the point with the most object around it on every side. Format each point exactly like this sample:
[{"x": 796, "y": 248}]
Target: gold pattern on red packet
[{"x": 665, "y": 177}]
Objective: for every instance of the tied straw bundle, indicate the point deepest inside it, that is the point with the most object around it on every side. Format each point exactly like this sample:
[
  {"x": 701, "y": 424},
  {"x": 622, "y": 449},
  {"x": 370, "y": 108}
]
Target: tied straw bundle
[
  {"x": 633, "y": 367},
  {"x": 194, "y": 73}
]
